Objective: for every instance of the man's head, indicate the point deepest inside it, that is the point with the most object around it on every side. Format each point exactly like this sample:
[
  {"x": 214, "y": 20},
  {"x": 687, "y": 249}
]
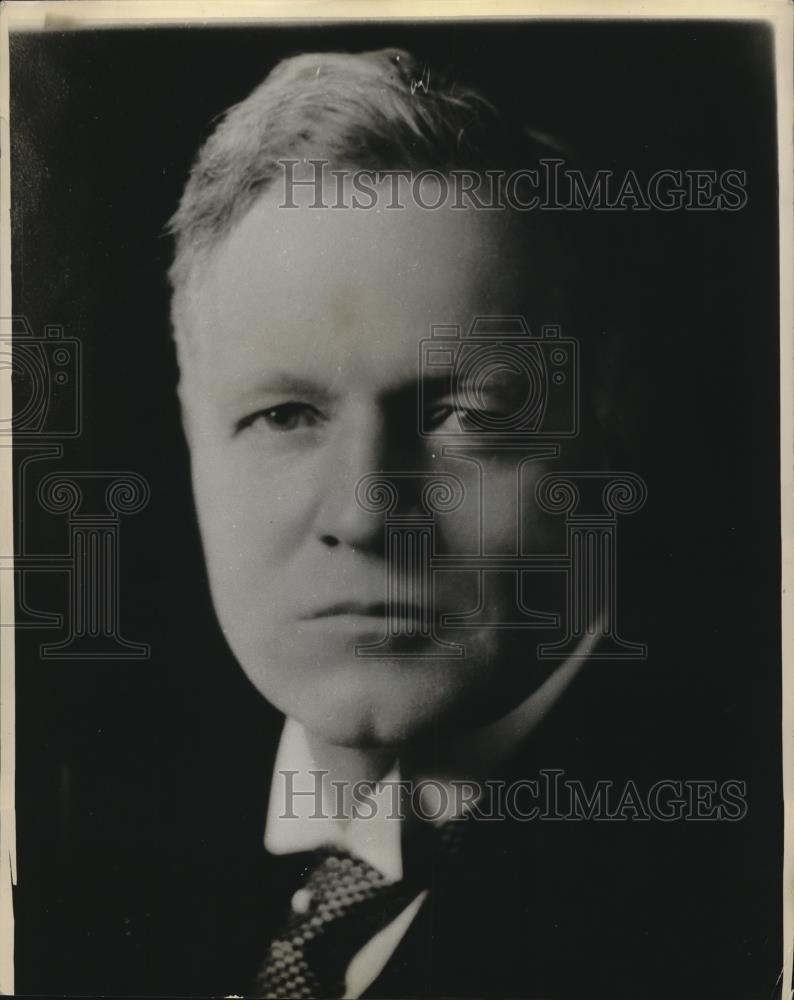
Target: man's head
[{"x": 299, "y": 334}]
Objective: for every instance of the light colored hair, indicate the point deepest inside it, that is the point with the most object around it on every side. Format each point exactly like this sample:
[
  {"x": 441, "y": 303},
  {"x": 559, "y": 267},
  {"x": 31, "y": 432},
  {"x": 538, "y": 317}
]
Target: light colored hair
[{"x": 379, "y": 110}]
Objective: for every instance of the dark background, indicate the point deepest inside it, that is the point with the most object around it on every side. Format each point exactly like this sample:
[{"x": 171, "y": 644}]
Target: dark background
[{"x": 127, "y": 768}]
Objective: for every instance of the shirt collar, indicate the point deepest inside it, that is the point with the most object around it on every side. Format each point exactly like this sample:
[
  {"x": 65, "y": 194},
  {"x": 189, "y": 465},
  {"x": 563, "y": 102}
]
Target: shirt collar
[{"x": 297, "y": 821}]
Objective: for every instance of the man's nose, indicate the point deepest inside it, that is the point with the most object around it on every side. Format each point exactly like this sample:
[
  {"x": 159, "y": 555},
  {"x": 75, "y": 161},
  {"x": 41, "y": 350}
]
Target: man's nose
[{"x": 363, "y": 444}]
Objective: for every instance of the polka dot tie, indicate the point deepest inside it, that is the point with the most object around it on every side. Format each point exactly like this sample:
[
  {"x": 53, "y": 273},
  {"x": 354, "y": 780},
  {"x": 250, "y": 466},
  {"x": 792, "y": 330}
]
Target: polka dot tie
[{"x": 342, "y": 904}]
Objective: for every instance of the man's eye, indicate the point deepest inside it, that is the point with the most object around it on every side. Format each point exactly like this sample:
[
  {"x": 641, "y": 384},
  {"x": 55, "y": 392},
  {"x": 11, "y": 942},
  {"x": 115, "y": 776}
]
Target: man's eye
[
  {"x": 284, "y": 417},
  {"x": 461, "y": 414},
  {"x": 440, "y": 416},
  {"x": 452, "y": 416}
]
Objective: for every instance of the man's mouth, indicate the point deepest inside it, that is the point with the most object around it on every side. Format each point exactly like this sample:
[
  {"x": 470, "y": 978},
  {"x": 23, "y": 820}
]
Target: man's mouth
[{"x": 370, "y": 609}]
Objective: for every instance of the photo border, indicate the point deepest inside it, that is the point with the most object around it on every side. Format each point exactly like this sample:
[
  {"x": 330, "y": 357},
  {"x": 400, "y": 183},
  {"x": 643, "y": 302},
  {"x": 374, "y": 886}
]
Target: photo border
[{"x": 20, "y": 15}]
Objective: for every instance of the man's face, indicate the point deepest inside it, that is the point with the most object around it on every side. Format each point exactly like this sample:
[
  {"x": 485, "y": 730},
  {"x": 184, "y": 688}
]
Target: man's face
[{"x": 303, "y": 379}]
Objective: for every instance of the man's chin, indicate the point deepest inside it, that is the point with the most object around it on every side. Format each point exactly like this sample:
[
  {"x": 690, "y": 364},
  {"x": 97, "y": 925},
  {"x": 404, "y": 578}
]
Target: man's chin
[{"x": 369, "y": 702}]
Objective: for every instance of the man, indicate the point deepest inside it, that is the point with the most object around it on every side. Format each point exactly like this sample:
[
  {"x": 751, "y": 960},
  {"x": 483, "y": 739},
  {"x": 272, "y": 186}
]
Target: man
[{"x": 301, "y": 300}]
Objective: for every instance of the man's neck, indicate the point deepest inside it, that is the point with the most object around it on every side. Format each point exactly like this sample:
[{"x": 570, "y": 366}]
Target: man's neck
[{"x": 344, "y": 767}]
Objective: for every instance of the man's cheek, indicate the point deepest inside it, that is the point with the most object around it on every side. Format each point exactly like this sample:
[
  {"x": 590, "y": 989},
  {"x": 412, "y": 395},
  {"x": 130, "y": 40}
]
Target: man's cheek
[
  {"x": 244, "y": 586},
  {"x": 225, "y": 523}
]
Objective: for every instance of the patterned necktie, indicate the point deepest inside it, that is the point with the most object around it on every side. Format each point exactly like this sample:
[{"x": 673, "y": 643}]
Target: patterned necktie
[{"x": 342, "y": 904}]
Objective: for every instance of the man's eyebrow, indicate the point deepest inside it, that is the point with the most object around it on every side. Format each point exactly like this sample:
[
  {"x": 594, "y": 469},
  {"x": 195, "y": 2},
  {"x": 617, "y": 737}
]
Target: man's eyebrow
[
  {"x": 288, "y": 382},
  {"x": 441, "y": 382},
  {"x": 436, "y": 381}
]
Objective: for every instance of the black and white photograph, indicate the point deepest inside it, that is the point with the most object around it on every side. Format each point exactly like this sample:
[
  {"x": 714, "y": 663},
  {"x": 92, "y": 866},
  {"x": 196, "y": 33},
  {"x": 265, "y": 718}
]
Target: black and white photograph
[{"x": 396, "y": 501}]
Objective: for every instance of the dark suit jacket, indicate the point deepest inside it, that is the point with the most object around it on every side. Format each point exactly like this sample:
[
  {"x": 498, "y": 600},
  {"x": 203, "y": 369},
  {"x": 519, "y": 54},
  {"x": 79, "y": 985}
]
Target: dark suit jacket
[{"x": 533, "y": 910}]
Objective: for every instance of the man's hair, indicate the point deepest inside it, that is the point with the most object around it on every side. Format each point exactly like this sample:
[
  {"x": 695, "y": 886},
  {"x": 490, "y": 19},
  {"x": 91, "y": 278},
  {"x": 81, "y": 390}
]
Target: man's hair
[{"x": 375, "y": 110}]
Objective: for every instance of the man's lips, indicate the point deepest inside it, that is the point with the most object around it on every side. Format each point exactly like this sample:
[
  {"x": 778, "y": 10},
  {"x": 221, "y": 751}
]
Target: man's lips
[
  {"x": 371, "y": 609},
  {"x": 350, "y": 607}
]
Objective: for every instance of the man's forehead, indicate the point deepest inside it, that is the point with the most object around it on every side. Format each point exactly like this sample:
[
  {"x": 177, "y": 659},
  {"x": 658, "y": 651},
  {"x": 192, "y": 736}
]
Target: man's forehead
[
  {"x": 290, "y": 235},
  {"x": 353, "y": 288},
  {"x": 303, "y": 252}
]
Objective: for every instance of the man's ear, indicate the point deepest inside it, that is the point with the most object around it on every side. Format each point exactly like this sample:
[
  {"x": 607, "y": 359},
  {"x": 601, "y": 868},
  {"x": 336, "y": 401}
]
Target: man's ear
[
  {"x": 187, "y": 423},
  {"x": 182, "y": 357}
]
